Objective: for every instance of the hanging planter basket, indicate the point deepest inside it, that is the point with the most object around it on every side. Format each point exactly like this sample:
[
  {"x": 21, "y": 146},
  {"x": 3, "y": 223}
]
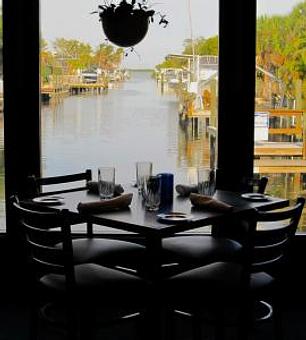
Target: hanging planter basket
[
  {"x": 126, "y": 24},
  {"x": 125, "y": 30}
]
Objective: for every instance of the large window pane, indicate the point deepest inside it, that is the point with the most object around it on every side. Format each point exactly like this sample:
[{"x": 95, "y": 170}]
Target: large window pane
[
  {"x": 281, "y": 97},
  {"x": 159, "y": 101}
]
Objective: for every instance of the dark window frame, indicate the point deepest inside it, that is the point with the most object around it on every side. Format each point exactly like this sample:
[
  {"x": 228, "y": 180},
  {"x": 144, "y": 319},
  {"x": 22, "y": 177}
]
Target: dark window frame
[{"x": 22, "y": 93}]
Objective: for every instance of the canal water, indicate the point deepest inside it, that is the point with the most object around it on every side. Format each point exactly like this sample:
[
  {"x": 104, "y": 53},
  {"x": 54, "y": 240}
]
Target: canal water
[{"x": 133, "y": 121}]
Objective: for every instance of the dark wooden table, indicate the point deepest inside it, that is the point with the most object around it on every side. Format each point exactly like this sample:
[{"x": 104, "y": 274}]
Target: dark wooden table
[{"x": 138, "y": 220}]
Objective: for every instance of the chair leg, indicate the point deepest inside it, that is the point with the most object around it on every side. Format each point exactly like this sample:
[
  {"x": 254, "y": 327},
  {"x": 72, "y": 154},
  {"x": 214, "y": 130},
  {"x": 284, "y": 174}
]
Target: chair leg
[
  {"x": 86, "y": 325},
  {"x": 140, "y": 327},
  {"x": 169, "y": 326},
  {"x": 245, "y": 319},
  {"x": 73, "y": 324},
  {"x": 219, "y": 329},
  {"x": 277, "y": 317},
  {"x": 34, "y": 324},
  {"x": 196, "y": 327}
]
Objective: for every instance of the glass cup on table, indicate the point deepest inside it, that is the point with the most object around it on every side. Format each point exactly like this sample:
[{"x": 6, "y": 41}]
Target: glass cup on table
[
  {"x": 206, "y": 181},
  {"x": 152, "y": 192},
  {"x": 143, "y": 171},
  {"x": 106, "y": 182}
]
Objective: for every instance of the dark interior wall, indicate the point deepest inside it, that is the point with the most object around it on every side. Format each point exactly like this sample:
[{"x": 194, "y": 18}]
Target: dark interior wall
[{"x": 21, "y": 93}]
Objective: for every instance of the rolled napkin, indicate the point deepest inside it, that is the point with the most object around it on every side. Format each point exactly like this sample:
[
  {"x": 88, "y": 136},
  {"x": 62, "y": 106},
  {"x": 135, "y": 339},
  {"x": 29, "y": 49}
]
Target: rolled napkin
[
  {"x": 94, "y": 188},
  {"x": 186, "y": 190},
  {"x": 209, "y": 203},
  {"x": 116, "y": 203}
]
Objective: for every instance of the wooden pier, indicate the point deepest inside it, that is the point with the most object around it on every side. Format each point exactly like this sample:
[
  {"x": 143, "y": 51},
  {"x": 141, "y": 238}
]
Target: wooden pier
[
  {"x": 58, "y": 92},
  {"x": 283, "y": 157},
  {"x": 296, "y": 131},
  {"x": 280, "y": 166},
  {"x": 53, "y": 92},
  {"x": 78, "y": 88}
]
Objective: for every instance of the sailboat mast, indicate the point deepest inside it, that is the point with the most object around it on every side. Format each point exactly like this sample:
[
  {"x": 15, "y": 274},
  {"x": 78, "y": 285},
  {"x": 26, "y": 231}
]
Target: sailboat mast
[{"x": 192, "y": 41}]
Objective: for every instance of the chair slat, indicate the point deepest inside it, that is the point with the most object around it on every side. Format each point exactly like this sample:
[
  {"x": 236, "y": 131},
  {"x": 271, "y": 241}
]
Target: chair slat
[
  {"x": 271, "y": 246},
  {"x": 37, "y": 184},
  {"x": 38, "y": 227}
]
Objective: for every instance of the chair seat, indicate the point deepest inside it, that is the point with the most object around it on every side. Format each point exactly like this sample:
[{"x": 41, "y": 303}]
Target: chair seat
[
  {"x": 261, "y": 281},
  {"x": 106, "y": 251},
  {"x": 207, "y": 284},
  {"x": 200, "y": 250},
  {"x": 106, "y": 284}
]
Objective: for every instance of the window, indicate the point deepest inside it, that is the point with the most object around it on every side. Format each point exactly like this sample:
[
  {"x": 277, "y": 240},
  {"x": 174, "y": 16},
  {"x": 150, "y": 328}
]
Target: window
[
  {"x": 280, "y": 102},
  {"x": 102, "y": 105}
]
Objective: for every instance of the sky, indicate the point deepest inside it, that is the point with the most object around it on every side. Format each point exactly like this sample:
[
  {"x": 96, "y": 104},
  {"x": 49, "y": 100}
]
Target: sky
[{"x": 71, "y": 19}]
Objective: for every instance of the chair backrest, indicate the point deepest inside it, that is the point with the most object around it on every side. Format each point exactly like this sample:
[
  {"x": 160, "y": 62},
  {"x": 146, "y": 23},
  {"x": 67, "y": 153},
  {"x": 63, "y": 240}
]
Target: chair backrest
[
  {"x": 272, "y": 243},
  {"x": 38, "y": 227},
  {"x": 254, "y": 184},
  {"x": 36, "y": 185}
]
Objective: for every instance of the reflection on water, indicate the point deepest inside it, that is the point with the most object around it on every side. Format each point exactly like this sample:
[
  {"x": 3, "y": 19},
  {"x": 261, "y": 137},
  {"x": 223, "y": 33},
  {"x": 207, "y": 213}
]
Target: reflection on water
[{"x": 130, "y": 123}]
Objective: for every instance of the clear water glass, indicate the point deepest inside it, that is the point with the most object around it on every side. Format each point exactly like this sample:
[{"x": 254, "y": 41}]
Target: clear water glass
[
  {"x": 143, "y": 171},
  {"x": 206, "y": 181},
  {"x": 106, "y": 182},
  {"x": 152, "y": 192}
]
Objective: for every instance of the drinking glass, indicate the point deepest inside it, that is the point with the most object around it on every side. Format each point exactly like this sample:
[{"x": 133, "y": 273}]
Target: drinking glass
[
  {"x": 151, "y": 192},
  {"x": 106, "y": 182},
  {"x": 143, "y": 171},
  {"x": 206, "y": 181}
]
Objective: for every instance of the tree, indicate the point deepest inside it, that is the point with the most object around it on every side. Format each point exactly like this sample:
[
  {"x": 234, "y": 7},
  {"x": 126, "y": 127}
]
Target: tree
[
  {"x": 107, "y": 57},
  {"x": 202, "y": 46},
  {"x": 73, "y": 54},
  {"x": 281, "y": 45}
]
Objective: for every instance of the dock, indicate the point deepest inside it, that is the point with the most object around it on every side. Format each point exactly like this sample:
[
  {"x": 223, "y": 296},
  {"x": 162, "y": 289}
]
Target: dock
[
  {"x": 78, "y": 88},
  {"x": 280, "y": 166},
  {"x": 53, "y": 92},
  {"x": 280, "y": 157}
]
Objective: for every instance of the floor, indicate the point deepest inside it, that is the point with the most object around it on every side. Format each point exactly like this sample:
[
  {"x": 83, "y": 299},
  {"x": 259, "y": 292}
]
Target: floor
[
  {"x": 14, "y": 314},
  {"x": 14, "y": 317}
]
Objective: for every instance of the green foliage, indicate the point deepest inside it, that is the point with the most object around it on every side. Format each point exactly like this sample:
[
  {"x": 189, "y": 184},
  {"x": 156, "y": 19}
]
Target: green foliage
[
  {"x": 202, "y": 46},
  {"x": 74, "y": 53},
  {"x": 172, "y": 63},
  {"x": 107, "y": 57},
  {"x": 69, "y": 55},
  {"x": 281, "y": 45}
]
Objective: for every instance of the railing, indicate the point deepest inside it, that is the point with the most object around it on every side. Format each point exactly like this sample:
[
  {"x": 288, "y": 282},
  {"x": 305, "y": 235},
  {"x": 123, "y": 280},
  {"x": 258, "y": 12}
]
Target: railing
[
  {"x": 296, "y": 146},
  {"x": 283, "y": 156}
]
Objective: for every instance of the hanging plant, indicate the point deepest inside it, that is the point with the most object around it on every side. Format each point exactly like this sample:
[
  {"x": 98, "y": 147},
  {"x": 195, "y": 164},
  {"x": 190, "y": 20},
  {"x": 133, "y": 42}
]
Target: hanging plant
[{"x": 126, "y": 24}]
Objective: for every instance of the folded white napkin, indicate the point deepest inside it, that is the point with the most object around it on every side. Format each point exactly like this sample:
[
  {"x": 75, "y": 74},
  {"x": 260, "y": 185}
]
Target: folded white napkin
[
  {"x": 209, "y": 203},
  {"x": 116, "y": 203}
]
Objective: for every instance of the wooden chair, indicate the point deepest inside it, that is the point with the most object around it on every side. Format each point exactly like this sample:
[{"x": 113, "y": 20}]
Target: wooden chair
[
  {"x": 220, "y": 287},
  {"x": 90, "y": 248},
  {"x": 194, "y": 250},
  {"x": 67, "y": 296},
  {"x": 37, "y": 184}
]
